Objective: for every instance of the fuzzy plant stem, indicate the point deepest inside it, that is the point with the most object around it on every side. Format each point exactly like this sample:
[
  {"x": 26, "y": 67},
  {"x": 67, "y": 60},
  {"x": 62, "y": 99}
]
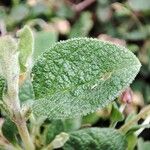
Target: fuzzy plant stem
[
  {"x": 23, "y": 131},
  {"x": 11, "y": 98},
  {"x": 146, "y": 122},
  {"x": 144, "y": 112}
]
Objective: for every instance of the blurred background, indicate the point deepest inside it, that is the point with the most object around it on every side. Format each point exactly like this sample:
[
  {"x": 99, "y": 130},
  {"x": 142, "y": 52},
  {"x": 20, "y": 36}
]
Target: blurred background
[{"x": 124, "y": 22}]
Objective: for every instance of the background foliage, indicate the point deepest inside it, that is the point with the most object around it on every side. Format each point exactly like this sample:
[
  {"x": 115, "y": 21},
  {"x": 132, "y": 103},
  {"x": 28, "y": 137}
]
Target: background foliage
[{"x": 124, "y": 22}]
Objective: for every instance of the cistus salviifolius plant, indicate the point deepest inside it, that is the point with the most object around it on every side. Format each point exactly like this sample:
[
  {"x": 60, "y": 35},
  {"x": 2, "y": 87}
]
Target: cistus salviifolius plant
[{"x": 71, "y": 79}]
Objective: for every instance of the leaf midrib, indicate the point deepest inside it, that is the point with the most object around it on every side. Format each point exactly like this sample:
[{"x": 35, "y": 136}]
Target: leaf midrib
[{"x": 66, "y": 90}]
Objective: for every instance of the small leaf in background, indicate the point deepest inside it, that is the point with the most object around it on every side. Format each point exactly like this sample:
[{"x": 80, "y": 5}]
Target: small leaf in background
[
  {"x": 104, "y": 11},
  {"x": 96, "y": 139},
  {"x": 17, "y": 14},
  {"x": 78, "y": 76},
  {"x": 60, "y": 140},
  {"x": 25, "y": 48},
  {"x": 144, "y": 57},
  {"x": 147, "y": 94},
  {"x": 132, "y": 137},
  {"x": 133, "y": 47},
  {"x": 116, "y": 115},
  {"x": 53, "y": 129},
  {"x": 2, "y": 13},
  {"x": 121, "y": 10},
  {"x": 143, "y": 145},
  {"x": 9, "y": 130},
  {"x": 136, "y": 35},
  {"x": 43, "y": 40},
  {"x": 82, "y": 26},
  {"x": 58, "y": 126},
  {"x": 131, "y": 140},
  {"x": 90, "y": 119},
  {"x": 63, "y": 10},
  {"x": 139, "y": 5},
  {"x": 142, "y": 91},
  {"x": 40, "y": 8},
  {"x": 72, "y": 124}
]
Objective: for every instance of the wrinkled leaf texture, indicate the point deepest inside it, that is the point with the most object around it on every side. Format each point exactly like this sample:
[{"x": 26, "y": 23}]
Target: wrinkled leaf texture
[
  {"x": 80, "y": 75},
  {"x": 95, "y": 139}
]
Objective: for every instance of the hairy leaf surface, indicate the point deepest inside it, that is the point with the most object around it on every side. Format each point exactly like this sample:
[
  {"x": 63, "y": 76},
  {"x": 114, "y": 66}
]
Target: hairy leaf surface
[
  {"x": 8, "y": 49},
  {"x": 25, "y": 47},
  {"x": 80, "y": 75},
  {"x": 26, "y": 91},
  {"x": 9, "y": 130},
  {"x": 2, "y": 85},
  {"x": 96, "y": 139}
]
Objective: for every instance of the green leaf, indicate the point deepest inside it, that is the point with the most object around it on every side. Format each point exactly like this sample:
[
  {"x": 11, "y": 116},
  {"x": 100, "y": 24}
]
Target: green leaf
[
  {"x": 19, "y": 13},
  {"x": 43, "y": 40},
  {"x": 25, "y": 47},
  {"x": 2, "y": 85},
  {"x": 82, "y": 26},
  {"x": 96, "y": 139},
  {"x": 90, "y": 119},
  {"x": 8, "y": 54},
  {"x": 143, "y": 145},
  {"x": 78, "y": 76},
  {"x": 132, "y": 140},
  {"x": 40, "y": 8},
  {"x": 8, "y": 46},
  {"x": 136, "y": 35},
  {"x": 59, "y": 140},
  {"x": 63, "y": 10},
  {"x": 26, "y": 91},
  {"x": 116, "y": 115},
  {"x": 9, "y": 130},
  {"x": 139, "y": 5},
  {"x": 4, "y": 109},
  {"x": 102, "y": 11},
  {"x": 58, "y": 126}
]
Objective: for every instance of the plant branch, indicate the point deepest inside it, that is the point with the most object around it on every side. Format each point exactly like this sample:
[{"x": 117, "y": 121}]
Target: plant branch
[
  {"x": 81, "y": 6},
  {"x": 19, "y": 120},
  {"x": 23, "y": 131},
  {"x": 11, "y": 70},
  {"x": 5, "y": 143},
  {"x": 146, "y": 121},
  {"x": 144, "y": 112}
]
